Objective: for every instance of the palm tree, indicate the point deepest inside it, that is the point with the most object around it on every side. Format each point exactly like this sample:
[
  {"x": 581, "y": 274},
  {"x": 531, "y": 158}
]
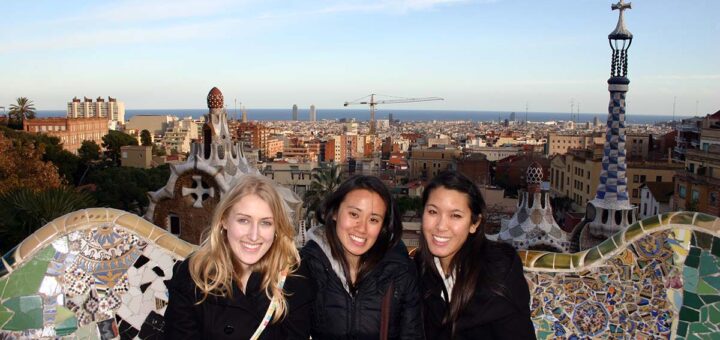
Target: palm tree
[
  {"x": 23, "y": 211},
  {"x": 324, "y": 182},
  {"x": 24, "y": 109}
]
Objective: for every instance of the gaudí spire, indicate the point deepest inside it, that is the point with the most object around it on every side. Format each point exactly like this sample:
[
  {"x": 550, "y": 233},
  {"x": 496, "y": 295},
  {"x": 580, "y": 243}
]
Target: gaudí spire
[{"x": 611, "y": 210}]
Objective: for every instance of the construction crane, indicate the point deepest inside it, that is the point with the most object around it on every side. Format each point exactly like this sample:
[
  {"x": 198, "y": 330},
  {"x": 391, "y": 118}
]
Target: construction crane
[{"x": 396, "y": 100}]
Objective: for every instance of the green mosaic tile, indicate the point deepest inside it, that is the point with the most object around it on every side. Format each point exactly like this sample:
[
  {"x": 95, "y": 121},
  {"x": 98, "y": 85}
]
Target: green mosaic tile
[
  {"x": 692, "y": 260},
  {"x": 28, "y": 313},
  {"x": 65, "y": 321},
  {"x": 26, "y": 279},
  {"x": 682, "y": 329},
  {"x": 708, "y": 299},
  {"x": 651, "y": 223},
  {"x": 687, "y": 314},
  {"x": 633, "y": 231},
  {"x": 704, "y": 220},
  {"x": 682, "y": 218},
  {"x": 665, "y": 218},
  {"x": 694, "y": 251},
  {"x": 3, "y": 282},
  {"x": 545, "y": 261},
  {"x": 690, "y": 278},
  {"x": 618, "y": 238},
  {"x": 697, "y": 329},
  {"x": 592, "y": 255},
  {"x": 716, "y": 246},
  {"x": 606, "y": 246},
  {"x": 5, "y": 315},
  {"x": 692, "y": 300},
  {"x": 714, "y": 316},
  {"x": 703, "y": 288},
  {"x": 704, "y": 240},
  {"x": 708, "y": 264},
  {"x": 562, "y": 261},
  {"x": 576, "y": 259},
  {"x": 713, "y": 281}
]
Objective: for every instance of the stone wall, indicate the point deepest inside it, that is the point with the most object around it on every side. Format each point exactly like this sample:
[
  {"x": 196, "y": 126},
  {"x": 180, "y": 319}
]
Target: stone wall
[{"x": 98, "y": 274}]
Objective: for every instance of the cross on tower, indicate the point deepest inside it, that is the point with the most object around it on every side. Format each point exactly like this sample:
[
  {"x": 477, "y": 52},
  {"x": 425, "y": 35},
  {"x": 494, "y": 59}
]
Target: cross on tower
[
  {"x": 198, "y": 191},
  {"x": 621, "y": 6}
]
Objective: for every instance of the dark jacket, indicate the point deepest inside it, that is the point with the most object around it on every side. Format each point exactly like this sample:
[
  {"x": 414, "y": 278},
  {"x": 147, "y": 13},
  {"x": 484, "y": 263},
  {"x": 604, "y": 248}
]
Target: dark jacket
[
  {"x": 488, "y": 315},
  {"x": 236, "y": 318},
  {"x": 338, "y": 315}
]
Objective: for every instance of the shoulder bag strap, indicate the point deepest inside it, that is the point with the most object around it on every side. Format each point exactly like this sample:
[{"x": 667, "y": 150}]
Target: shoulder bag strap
[
  {"x": 271, "y": 309},
  {"x": 385, "y": 311}
]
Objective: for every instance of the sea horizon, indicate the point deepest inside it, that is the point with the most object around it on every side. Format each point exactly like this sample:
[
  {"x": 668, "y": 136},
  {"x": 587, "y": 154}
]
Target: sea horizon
[{"x": 284, "y": 114}]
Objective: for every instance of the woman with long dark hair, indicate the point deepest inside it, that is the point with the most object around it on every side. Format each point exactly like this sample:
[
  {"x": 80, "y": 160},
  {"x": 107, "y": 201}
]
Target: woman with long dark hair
[
  {"x": 366, "y": 282},
  {"x": 473, "y": 288}
]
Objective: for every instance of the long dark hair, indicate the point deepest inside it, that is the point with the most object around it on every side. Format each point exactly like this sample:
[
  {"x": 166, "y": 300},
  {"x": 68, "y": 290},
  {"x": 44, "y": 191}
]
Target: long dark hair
[
  {"x": 472, "y": 263},
  {"x": 390, "y": 232}
]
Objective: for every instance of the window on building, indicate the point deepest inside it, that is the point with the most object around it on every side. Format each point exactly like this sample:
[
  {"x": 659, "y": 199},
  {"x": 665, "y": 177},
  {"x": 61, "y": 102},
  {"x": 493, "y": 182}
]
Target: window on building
[
  {"x": 174, "y": 221},
  {"x": 636, "y": 178},
  {"x": 658, "y": 178},
  {"x": 682, "y": 192},
  {"x": 642, "y": 178},
  {"x": 713, "y": 198},
  {"x": 635, "y": 193},
  {"x": 695, "y": 195},
  {"x": 645, "y": 209}
]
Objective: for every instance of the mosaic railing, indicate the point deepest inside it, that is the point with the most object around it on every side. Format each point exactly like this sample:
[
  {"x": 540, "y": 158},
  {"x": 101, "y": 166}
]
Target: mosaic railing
[{"x": 98, "y": 274}]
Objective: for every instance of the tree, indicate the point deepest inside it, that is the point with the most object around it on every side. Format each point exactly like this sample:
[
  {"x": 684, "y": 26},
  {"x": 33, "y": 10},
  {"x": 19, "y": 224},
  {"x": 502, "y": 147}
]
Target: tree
[
  {"x": 145, "y": 138},
  {"x": 324, "y": 182},
  {"x": 22, "y": 211},
  {"x": 89, "y": 151},
  {"x": 126, "y": 188},
  {"x": 114, "y": 140},
  {"x": 22, "y": 166},
  {"x": 23, "y": 109}
]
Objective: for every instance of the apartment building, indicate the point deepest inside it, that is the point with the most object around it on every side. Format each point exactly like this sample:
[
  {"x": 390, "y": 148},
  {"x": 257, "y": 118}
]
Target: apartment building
[
  {"x": 425, "y": 163},
  {"x": 112, "y": 109},
  {"x": 71, "y": 132}
]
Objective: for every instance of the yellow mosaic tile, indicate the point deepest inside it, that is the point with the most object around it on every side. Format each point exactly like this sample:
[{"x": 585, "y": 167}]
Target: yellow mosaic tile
[
  {"x": 562, "y": 261},
  {"x": 143, "y": 227},
  {"x": 665, "y": 218},
  {"x": 74, "y": 219},
  {"x": 26, "y": 248},
  {"x": 545, "y": 261},
  {"x": 632, "y": 232},
  {"x": 577, "y": 259},
  {"x": 46, "y": 233},
  {"x": 532, "y": 256}
]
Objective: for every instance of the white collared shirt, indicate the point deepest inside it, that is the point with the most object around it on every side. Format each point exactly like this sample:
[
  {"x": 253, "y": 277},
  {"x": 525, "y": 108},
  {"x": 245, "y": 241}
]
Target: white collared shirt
[{"x": 448, "y": 280}]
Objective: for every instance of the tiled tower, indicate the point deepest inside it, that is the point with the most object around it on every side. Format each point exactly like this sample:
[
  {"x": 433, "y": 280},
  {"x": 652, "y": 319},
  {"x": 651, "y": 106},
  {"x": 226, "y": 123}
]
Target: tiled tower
[
  {"x": 533, "y": 226},
  {"x": 611, "y": 210}
]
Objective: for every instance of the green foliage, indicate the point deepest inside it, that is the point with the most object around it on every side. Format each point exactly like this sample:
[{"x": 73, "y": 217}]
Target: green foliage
[
  {"x": 21, "y": 110},
  {"x": 89, "y": 151},
  {"x": 114, "y": 140},
  {"x": 126, "y": 188},
  {"x": 409, "y": 204},
  {"x": 324, "y": 182},
  {"x": 23, "y": 211},
  {"x": 145, "y": 138},
  {"x": 66, "y": 162}
]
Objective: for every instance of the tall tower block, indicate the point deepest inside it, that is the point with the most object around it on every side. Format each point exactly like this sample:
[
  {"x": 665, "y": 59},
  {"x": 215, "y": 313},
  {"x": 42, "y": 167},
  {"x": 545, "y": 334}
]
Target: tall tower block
[{"x": 611, "y": 210}]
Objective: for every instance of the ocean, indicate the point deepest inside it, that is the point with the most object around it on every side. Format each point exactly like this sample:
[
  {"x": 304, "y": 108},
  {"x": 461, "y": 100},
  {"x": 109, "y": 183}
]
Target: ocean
[{"x": 402, "y": 115}]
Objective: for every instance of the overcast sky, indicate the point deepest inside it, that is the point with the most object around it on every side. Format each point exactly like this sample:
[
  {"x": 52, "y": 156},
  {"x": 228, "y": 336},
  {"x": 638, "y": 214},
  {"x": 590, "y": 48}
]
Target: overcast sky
[{"x": 477, "y": 54}]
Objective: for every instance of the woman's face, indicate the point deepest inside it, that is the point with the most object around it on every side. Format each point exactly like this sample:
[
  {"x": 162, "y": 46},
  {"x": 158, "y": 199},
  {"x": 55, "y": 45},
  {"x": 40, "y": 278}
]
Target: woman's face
[
  {"x": 447, "y": 222},
  {"x": 358, "y": 221},
  {"x": 250, "y": 229}
]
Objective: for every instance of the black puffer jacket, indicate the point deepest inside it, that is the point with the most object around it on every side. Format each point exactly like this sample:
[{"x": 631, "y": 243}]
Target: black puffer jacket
[
  {"x": 487, "y": 315},
  {"x": 338, "y": 315}
]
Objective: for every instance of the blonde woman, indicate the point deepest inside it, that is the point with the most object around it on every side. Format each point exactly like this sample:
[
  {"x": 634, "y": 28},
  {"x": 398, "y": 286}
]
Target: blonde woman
[{"x": 241, "y": 283}]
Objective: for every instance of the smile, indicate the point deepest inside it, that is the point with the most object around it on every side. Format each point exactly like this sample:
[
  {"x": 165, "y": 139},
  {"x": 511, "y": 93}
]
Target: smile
[
  {"x": 440, "y": 240},
  {"x": 358, "y": 241},
  {"x": 251, "y": 246}
]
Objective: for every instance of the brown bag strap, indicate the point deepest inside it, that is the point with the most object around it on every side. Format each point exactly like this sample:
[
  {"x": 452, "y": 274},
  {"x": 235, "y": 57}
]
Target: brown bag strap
[{"x": 385, "y": 311}]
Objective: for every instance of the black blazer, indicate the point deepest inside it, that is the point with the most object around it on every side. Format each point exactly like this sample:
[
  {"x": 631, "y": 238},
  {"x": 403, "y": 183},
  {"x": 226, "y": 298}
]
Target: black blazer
[
  {"x": 488, "y": 315},
  {"x": 236, "y": 318}
]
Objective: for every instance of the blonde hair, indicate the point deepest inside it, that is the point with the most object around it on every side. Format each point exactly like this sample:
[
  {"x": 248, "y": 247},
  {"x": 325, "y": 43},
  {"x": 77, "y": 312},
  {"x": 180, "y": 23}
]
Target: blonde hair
[{"x": 213, "y": 266}]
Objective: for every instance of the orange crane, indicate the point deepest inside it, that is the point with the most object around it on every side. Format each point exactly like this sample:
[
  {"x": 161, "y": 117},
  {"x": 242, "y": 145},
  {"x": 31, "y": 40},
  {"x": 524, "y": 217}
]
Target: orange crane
[{"x": 372, "y": 102}]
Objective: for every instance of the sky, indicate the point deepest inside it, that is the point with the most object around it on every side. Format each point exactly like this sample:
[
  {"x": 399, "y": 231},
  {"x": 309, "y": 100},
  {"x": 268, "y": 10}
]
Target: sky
[{"x": 476, "y": 54}]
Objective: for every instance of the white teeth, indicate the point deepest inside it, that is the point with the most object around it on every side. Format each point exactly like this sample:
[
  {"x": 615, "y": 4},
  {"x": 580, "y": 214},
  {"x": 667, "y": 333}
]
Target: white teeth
[
  {"x": 441, "y": 239},
  {"x": 251, "y": 246},
  {"x": 357, "y": 239}
]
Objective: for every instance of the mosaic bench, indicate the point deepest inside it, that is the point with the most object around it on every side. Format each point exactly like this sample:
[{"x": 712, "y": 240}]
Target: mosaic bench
[{"x": 98, "y": 274}]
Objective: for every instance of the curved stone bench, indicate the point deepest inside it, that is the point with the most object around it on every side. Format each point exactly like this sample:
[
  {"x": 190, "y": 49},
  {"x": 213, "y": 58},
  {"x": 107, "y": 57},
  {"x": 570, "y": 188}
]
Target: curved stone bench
[{"x": 98, "y": 274}]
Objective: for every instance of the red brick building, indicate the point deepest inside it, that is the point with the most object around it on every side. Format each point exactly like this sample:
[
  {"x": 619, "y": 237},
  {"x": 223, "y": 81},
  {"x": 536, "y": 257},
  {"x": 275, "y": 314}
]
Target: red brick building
[{"x": 71, "y": 131}]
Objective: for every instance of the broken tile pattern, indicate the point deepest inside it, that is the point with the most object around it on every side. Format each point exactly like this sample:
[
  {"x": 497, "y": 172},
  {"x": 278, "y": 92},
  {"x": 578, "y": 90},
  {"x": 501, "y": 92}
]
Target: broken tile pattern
[
  {"x": 99, "y": 283},
  {"x": 105, "y": 281}
]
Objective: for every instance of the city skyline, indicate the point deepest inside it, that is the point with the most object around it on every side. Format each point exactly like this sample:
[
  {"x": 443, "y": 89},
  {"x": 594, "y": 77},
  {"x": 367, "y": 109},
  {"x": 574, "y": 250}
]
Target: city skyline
[{"x": 478, "y": 55}]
